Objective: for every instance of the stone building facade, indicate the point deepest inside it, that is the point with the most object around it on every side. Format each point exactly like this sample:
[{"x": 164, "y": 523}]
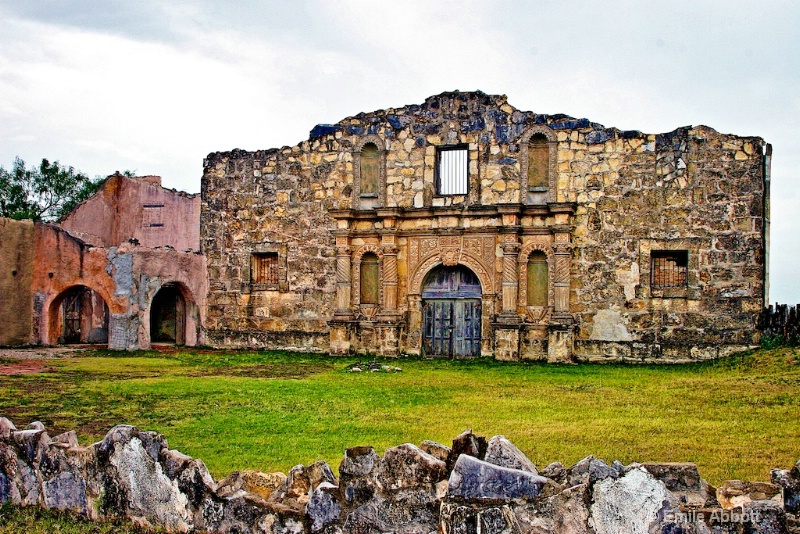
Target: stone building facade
[
  {"x": 123, "y": 269},
  {"x": 463, "y": 226}
]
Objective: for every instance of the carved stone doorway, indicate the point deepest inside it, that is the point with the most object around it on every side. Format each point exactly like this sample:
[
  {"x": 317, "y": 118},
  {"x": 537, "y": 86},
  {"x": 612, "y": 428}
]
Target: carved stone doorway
[{"x": 451, "y": 312}]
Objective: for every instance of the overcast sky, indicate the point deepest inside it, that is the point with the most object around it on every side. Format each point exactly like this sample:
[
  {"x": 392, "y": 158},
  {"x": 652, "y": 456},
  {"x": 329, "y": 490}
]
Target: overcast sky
[{"x": 154, "y": 86}]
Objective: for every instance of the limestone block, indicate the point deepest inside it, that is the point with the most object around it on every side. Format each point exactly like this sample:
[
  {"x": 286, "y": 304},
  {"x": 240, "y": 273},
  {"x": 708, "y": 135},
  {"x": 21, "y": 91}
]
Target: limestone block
[
  {"x": 735, "y": 493},
  {"x": 589, "y": 471},
  {"x": 435, "y": 449},
  {"x": 323, "y": 508},
  {"x": 148, "y": 493},
  {"x": 407, "y": 466},
  {"x": 789, "y": 480},
  {"x": 467, "y": 443},
  {"x": 502, "y": 452},
  {"x": 635, "y": 504},
  {"x": 6, "y": 428},
  {"x": 475, "y": 479},
  {"x": 358, "y": 474}
]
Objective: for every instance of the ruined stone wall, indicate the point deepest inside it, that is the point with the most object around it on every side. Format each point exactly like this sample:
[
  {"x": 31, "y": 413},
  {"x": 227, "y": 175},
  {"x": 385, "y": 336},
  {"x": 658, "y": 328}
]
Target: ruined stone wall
[
  {"x": 692, "y": 189},
  {"x": 474, "y": 486},
  {"x": 17, "y": 246},
  {"x": 274, "y": 202},
  {"x": 137, "y": 208},
  {"x": 612, "y": 198},
  {"x": 152, "y": 269}
]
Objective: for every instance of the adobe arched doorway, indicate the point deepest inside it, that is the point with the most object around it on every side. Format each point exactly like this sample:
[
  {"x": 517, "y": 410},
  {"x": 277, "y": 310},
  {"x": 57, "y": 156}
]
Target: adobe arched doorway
[
  {"x": 78, "y": 315},
  {"x": 451, "y": 313},
  {"x": 168, "y": 316}
]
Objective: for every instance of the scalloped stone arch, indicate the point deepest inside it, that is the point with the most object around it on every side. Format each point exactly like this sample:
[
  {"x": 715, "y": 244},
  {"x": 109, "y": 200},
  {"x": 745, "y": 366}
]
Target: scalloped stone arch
[
  {"x": 552, "y": 145},
  {"x": 415, "y": 286},
  {"x": 356, "y": 274},
  {"x": 381, "y": 144},
  {"x": 522, "y": 270}
]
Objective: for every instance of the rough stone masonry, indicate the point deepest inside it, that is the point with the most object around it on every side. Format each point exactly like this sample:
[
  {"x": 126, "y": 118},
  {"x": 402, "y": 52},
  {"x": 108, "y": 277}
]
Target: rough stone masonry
[
  {"x": 463, "y": 226},
  {"x": 474, "y": 486}
]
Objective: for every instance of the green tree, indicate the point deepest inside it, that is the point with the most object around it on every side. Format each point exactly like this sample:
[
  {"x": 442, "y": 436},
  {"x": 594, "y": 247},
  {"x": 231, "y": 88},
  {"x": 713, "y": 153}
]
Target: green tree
[{"x": 44, "y": 193}]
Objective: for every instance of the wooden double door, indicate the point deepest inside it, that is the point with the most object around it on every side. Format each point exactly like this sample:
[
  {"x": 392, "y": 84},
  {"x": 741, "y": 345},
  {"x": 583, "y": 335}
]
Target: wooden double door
[{"x": 451, "y": 311}]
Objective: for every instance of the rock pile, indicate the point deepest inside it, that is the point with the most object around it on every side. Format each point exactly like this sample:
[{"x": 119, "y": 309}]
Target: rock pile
[{"x": 474, "y": 486}]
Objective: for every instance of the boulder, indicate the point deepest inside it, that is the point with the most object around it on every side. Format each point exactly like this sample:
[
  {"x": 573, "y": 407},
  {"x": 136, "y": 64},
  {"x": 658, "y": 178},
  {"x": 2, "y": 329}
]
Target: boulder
[
  {"x": 588, "y": 471},
  {"x": 636, "y": 503},
  {"x": 469, "y": 444},
  {"x": 32, "y": 443},
  {"x": 142, "y": 488},
  {"x": 358, "y": 474},
  {"x": 475, "y": 479},
  {"x": 262, "y": 484},
  {"x": 735, "y": 493},
  {"x": 323, "y": 506},
  {"x": 408, "y": 466},
  {"x": 566, "y": 512},
  {"x": 65, "y": 491},
  {"x": 684, "y": 481},
  {"x": 500, "y": 451},
  {"x": 456, "y": 518},
  {"x": 408, "y": 512},
  {"x": 6, "y": 428},
  {"x": 764, "y": 517},
  {"x": 302, "y": 480},
  {"x": 436, "y": 449},
  {"x": 789, "y": 480},
  {"x": 555, "y": 471}
]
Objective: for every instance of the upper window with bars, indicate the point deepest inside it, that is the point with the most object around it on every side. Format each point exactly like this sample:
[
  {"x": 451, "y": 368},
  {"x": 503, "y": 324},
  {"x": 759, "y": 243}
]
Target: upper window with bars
[
  {"x": 452, "y": 176},
  {"x": 265, "y": 268},
  {"x": 669, "y": 268}
]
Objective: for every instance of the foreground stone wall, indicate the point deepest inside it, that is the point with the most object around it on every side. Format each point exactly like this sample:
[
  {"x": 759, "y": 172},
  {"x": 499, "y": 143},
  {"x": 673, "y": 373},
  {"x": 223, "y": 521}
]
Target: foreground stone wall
[{"x": 474, "y": 486}]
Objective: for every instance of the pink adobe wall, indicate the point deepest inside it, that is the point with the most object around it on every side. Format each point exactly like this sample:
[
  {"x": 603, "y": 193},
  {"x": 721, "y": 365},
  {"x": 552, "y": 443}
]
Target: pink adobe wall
[{"x": 137, "y": 208}]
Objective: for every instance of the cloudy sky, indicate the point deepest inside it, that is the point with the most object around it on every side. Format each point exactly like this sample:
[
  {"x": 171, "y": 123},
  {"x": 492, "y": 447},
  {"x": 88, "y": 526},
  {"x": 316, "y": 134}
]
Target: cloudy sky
[{"x": 154, "y": 86}]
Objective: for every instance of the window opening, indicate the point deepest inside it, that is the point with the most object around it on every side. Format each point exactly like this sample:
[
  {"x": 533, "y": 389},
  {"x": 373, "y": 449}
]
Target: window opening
[
  {"x": 452, "y": 178},
  {"x": 669, "y": 268},
  {"x": 264, "y": 268}
]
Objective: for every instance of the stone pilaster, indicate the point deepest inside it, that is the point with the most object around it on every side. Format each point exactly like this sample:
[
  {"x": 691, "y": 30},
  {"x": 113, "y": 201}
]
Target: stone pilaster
[
  {"x": 389, "y": 274},
  {"x": 510, "y": 281},
  {"x": 561, "y": 282},
  {"x": 561, "y": 336},
  {"x": 344, "y": 310}
]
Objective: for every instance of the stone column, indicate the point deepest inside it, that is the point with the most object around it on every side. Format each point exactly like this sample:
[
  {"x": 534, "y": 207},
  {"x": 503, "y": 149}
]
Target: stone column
[
  {"x": 344, "y": 310},
  {"x": 561, "y": 253},
  {"x": 510, "y": 281},
  {"x": 389, "y": 276},
  {"x": 561, "y": 337}
]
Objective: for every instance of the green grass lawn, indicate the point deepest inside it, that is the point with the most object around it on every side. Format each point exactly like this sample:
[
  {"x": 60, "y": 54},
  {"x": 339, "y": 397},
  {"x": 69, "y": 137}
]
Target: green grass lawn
[{"x": 736, "y": 418}]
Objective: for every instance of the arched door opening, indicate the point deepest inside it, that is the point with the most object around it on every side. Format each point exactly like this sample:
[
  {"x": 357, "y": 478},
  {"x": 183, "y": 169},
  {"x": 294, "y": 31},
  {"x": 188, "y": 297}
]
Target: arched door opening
[
  {"x": 451, "y": 311},
  {"x": 168, "y": 316},
  {"x": 82, "y": 316}
]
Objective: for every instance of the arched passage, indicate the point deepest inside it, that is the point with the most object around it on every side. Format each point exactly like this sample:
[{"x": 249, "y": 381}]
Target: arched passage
[
  {"x": 451, "y": 312},
  {"x": 168, "y": 316},
  {"x": 78, "y": 315}
]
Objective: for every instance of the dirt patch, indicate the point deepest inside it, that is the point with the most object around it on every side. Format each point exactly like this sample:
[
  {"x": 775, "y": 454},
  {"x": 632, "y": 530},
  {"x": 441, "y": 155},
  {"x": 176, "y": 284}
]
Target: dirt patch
[
  {"x": 44, "y": 353},
  {"x": 24, "y": 367}
]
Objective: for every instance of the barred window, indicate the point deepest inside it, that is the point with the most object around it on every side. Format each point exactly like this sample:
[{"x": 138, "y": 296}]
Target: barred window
[
  {"x": 669, "y": 268},
  {"x": 452, "y": 176},
  {"x": 264, "y": 268}
]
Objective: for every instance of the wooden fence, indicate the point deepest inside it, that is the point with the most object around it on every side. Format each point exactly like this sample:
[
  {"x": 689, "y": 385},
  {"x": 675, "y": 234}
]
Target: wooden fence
[{"x": 781, "y": 320}]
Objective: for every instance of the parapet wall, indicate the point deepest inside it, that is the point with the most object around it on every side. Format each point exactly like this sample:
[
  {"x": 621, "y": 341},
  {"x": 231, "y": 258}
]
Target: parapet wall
[{"x": 475, "y": 486}]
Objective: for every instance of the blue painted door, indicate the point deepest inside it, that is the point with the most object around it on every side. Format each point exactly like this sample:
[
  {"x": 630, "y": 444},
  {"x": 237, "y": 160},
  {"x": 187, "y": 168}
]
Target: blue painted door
[{"x": 451, "y": 313}]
